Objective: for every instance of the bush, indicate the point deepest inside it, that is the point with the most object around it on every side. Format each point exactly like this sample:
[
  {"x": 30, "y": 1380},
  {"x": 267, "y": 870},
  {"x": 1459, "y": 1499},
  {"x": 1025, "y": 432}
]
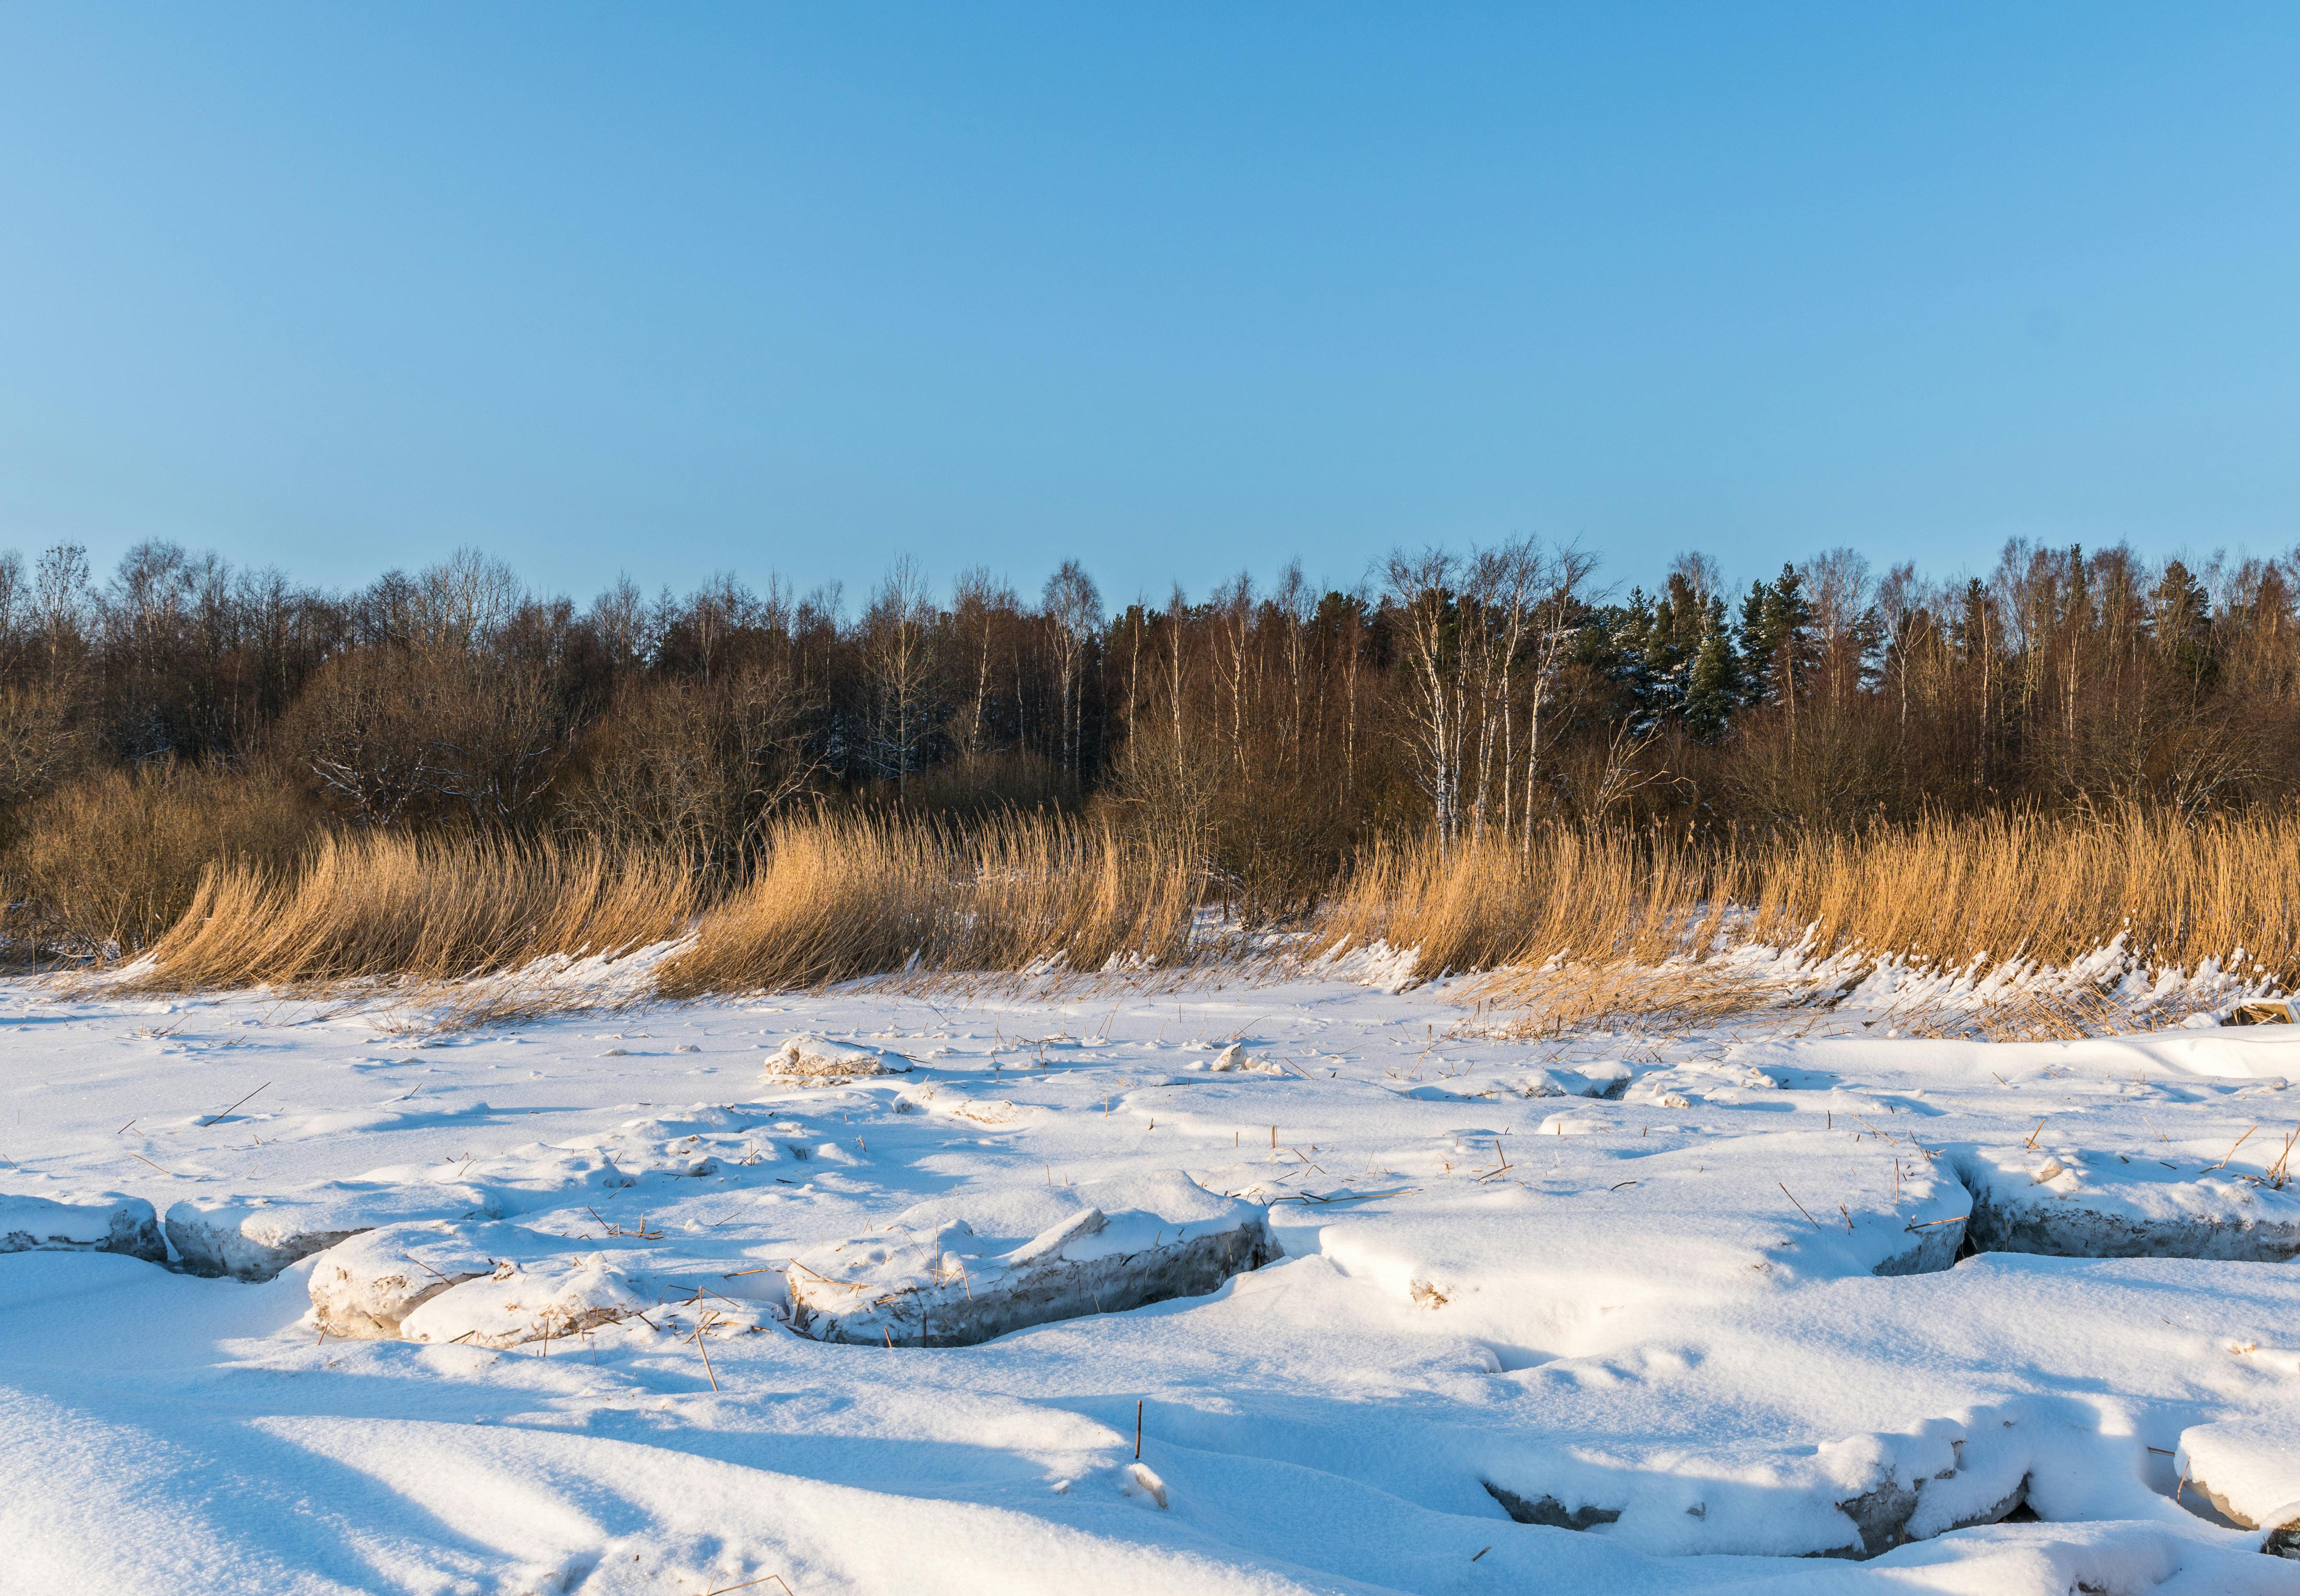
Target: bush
[{"x": 111, "y": 861}]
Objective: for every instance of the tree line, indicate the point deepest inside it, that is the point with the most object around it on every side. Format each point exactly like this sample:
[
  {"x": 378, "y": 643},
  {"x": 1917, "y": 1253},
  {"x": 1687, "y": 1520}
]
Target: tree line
[{"x": 1273, "y": 726}]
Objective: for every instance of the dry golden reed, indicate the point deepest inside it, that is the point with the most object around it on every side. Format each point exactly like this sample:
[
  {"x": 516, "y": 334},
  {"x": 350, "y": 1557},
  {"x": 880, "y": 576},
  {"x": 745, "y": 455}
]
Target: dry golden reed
[
  {"x": 2044, "y": 890},
  {"x": 1958, "y": 895},
  {"x": 837, "y": 898},
  {"x": 114, "y": 859},
  {"x": 435, "y": 909},
  {"x": 1577, "y": 896},
  {"x": 1577, "y": 928}
]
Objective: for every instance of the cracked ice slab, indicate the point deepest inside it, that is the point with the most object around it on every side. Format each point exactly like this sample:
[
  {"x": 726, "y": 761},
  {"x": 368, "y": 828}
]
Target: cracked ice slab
[
  {"x": 1856, "y": 1497},
  {"x": 539, "y": 1298},
  {"x": 254, "y": 1238},
  {"x": 2071, "y": 1202},
  {"x": 959, "y": 1271},
  {"x": 1527, "y": 1257},
  {"x": 362, "y": 1287},
  {"x": 105, "y": 1222},
  {"x": 494, "y": 1283}
]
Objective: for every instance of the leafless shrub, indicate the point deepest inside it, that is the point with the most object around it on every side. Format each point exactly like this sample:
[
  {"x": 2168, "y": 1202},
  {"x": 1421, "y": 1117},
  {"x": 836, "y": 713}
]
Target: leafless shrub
[
  {"x": 691, "y": 768},
  {"x": 111, "y": 862}
]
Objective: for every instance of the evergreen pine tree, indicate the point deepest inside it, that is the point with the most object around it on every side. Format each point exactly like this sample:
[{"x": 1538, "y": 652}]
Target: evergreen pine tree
[
  {"x": 1712, "y": 688},
  {"x": 2182, "y": 614}
]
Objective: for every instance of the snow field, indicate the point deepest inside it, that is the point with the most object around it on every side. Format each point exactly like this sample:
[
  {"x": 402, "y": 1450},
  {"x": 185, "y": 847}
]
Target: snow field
[{"x": 1692, "y": 1291}]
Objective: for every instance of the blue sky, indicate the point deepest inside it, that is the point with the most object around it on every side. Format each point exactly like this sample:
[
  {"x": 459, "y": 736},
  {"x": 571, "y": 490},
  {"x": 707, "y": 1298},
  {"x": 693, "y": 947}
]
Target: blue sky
[{"x": 1172, "y": 288}]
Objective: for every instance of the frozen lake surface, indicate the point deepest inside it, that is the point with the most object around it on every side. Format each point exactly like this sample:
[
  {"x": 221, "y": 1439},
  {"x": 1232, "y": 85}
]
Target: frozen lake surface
[{"x": 605, "y": 1303}]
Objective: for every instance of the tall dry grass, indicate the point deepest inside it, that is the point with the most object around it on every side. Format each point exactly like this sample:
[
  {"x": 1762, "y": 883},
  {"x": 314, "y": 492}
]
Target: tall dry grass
[
  {"x": 835, "y": 899},
  {"x": 383, "y": 904},
  {"x": 109, "y": 861},
  {"x": 1951, "y": 894},
  {"x": 1584, "y": 928},
  {"x": 2049, "y": 890},
  {"x": 1582, "y": 896}
]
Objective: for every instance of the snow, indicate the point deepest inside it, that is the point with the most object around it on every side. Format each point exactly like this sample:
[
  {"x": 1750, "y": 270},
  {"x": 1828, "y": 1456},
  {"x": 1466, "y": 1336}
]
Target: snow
[{"x": 507, "y": 1310}]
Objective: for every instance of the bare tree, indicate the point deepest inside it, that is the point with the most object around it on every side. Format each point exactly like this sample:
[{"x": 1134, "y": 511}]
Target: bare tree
[
  {"x": 461, "y": 602},
  {"x": 1421, "y": 588},
  {"x": 11, "y": 600},
  {"x": 60, "y": 596},
  {"x": 362, "y": 727},
  {"x": 1838, "y": 587},
  {"x": 619, "y": 616},
  {"x": 901, "y": 662},
  {"x": 1701, "y": 574},
  {"x": 40, "y": 738},
  {"x": 1557, "y": 580},
  {"x": 496, "y": 737},
  {"x": 1293, "y": 603},
  {"x": 1232, "y": 611},
  {"x": 1073, "y": 611}
]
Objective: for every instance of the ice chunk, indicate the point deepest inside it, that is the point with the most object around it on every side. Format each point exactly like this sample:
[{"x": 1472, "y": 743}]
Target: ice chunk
[
  {"x": 248, "y": 1239},
  {"x": 961, "y": 1271},
  {"x": 363, "y": 1287},
  {"x": 1607, "y": 1080},
  {"x": 2068, "y": 1204},
  {"x": 1234, "y": 1057},
  {"x": 106, "y": 1222},
  {"x": 2250, "y": 1472},
  {"x": 524, "y": 1300},
  {"x": 1140, "y": 1478},
  {"x": 1932, "y": 1247},
  {"x": 1546, "y": 1509},
  {"x": 806, "y": 1058},
  {"x": 1887, "y": 1515},
  {"x": 254, "y": 1238},
  {"x": 1856, "y": 1497}
]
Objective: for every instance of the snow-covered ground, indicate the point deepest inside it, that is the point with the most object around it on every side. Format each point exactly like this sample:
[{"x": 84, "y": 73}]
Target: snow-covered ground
[{"x": 1690, "y": 1295}]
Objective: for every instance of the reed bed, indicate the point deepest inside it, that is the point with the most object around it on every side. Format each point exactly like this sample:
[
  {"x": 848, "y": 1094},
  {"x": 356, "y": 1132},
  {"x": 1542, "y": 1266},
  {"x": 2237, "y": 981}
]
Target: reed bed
[
  {"x": 2044, "y": 890},
  {"x": 1949, "y": 894},
  {"x": 432, "y": 909},
  {"x": 837, "y": 899},
  {"x": 1574, "y": 896},
  {"x": 1578, "y": 930}
]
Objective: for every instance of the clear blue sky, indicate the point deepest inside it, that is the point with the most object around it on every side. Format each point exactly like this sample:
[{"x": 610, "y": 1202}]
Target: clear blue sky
[{"x": 1172, "y": 288}]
